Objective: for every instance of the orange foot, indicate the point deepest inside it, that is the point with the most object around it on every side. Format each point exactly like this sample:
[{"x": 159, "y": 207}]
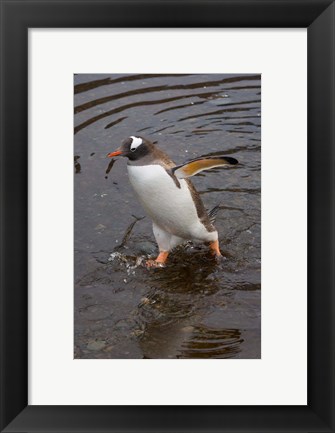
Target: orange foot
[
  {"x": 159, "y": 262},
  {"x": 215, "y": 250}
]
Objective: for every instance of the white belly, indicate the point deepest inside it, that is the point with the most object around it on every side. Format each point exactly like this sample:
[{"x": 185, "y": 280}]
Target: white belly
[{"x": 170, "y": 207}]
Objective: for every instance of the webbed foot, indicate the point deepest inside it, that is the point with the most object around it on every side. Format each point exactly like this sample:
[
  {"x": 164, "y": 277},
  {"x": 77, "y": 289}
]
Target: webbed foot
[{"x": 159, "y": 262}]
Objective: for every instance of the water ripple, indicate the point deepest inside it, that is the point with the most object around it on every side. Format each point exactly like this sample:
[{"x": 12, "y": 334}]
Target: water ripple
[{"x": 195, "y": 307}]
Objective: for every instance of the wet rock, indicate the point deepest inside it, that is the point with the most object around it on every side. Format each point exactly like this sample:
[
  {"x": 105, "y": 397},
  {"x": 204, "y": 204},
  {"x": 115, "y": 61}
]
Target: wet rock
[
  {"x": 146, "y": 247},
  {"x": 96, "y": 345},
  {"x": 109, "y": 348},
  {"x": 101, "y": 257},
  {"x": 96, "y": 312},
  {"x": 100, "y": 227},
  {"x": 193, "y": 289}
]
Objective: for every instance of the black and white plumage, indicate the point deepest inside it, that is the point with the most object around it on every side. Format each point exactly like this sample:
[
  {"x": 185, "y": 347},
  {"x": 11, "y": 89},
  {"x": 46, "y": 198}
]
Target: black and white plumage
[{"x": 168, "y": 196}]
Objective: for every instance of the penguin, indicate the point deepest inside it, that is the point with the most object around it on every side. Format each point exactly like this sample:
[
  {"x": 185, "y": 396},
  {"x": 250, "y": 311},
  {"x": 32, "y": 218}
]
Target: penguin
[{"x": 169, "y": 197}]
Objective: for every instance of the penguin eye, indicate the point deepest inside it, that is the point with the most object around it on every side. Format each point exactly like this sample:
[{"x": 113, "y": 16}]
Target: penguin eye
[{"x": 133, "y": 149}]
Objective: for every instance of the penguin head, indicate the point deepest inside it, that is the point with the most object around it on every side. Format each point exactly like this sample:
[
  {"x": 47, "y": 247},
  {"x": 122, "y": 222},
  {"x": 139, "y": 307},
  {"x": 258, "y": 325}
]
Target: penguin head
[{"x": 133, "y": 148}]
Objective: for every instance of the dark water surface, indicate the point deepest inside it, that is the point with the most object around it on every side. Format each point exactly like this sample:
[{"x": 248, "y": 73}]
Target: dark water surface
[{"x": 193, "y": 308}]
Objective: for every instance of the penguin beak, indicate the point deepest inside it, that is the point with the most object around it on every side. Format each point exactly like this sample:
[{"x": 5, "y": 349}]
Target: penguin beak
[{"x": 116, "y": 153}]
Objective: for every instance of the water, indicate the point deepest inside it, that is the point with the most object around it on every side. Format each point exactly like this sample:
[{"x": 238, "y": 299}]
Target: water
[{"x": 195, "y": 307}]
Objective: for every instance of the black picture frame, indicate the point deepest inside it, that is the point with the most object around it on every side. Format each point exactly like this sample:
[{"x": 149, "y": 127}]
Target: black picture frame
[{"x": 318, "y": 16}]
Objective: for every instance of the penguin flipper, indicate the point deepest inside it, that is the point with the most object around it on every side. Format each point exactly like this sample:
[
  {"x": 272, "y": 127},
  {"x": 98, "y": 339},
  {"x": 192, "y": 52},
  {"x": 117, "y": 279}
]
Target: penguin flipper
[{"x": 193, "y": 167}]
